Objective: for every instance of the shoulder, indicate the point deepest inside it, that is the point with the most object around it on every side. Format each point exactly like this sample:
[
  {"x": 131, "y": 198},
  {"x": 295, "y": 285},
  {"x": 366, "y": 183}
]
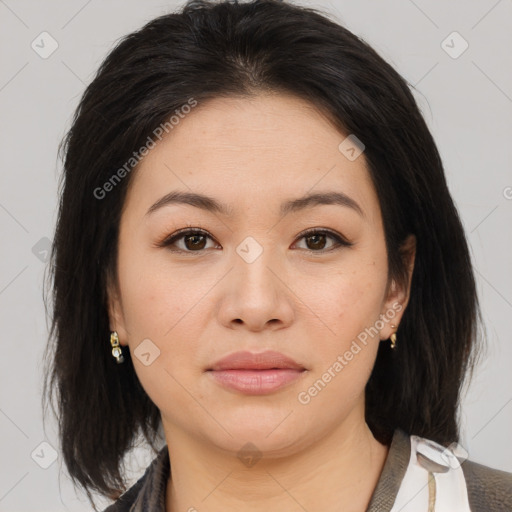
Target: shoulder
[
  {"x": 126, "y": 500},
  {"x": 488, "y": 489},
  {"x": 148, "y": 493},
  {"x": 485, "y": 489}
]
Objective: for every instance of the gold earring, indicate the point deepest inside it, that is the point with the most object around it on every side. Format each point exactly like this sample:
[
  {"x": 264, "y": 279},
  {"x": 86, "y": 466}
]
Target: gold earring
[
  {"x": 117, "y": 351},
  {"x": 393, "y": 337}
]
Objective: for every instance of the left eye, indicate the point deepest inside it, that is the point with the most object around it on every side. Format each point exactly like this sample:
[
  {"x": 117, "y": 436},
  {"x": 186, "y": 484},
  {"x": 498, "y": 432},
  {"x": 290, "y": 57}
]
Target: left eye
[
  {"x": 194, "y": 240},
  {"x": 317, "y": 238}
]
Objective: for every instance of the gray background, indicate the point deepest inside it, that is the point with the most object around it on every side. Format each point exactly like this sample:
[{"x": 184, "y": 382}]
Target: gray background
[{"x": 467, "y": 102}]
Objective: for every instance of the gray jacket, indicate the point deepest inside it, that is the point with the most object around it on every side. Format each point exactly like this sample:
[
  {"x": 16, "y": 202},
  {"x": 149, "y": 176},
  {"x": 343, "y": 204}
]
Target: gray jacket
[{"x": 489, "y": 490}]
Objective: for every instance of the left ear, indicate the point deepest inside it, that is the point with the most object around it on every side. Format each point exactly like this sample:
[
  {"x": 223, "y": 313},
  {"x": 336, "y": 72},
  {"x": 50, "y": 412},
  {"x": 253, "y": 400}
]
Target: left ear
[
  {"x": 115, "y": 312},
  {"x": 398, "y": 294}
]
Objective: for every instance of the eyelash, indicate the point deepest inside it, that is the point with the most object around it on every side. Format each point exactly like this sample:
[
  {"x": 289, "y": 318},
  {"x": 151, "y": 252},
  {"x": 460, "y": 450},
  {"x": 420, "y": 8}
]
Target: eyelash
[{"x": 178, "y": 235}]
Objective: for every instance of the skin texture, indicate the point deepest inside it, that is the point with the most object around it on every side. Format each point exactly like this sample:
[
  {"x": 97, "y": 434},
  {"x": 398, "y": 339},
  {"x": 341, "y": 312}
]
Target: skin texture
[{"x": 298, "y": 297}]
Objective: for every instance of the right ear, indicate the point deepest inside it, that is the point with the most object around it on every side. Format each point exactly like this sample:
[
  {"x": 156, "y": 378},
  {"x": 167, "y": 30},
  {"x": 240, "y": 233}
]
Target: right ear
[{"x": 115, "y": 313}]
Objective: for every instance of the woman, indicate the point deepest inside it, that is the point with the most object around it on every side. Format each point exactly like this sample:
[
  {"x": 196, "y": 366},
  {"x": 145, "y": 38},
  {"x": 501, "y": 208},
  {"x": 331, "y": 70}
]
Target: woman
[{"x": 257, "y": 253}]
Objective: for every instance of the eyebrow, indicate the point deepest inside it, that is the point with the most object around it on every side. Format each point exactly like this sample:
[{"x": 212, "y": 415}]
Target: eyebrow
[{"x": 210, "y": 204}]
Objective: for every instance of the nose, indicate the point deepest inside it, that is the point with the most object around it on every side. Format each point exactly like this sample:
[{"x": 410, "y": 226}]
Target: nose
[{"x": 256, "y": 295}]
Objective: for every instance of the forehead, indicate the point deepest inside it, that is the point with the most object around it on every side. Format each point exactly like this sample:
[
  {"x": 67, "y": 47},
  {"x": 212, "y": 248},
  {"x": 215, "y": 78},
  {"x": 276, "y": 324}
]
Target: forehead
[{"x": 248, "y": 150}]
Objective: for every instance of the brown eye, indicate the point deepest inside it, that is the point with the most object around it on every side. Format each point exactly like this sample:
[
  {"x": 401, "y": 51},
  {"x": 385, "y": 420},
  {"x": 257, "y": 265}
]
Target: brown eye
[
  {"x": 316, "y": 240},
  {"x": 195, "y": 241},
  {"x": 192, "y": 241}
]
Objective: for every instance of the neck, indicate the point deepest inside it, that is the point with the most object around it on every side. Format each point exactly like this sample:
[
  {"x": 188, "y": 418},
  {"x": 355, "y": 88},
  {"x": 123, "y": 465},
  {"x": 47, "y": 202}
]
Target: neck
[{"x": 339, "y": 471}]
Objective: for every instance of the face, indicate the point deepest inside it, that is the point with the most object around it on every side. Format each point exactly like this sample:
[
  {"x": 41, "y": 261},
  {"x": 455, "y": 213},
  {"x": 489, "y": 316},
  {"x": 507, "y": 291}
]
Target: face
[{"x": 309, "y": 281}]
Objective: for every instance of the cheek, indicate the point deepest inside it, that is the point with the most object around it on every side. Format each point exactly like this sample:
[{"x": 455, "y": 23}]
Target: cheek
[
  {"x": 155, "y": 299},
  {"x": 168, "y": 308},
  {"x": 349, "y": 304},
  {"x": 347, "y": 300},
  {"x": 160, "y": 307},
  {"x": 344, "y": 358}
]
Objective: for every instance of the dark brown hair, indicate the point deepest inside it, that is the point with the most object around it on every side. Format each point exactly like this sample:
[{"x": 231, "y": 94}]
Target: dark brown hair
[{"x": 210, "y": 50}]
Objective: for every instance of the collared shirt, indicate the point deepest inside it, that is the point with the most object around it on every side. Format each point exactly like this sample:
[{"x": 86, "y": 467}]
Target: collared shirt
[{"x": 488, "y": 490}]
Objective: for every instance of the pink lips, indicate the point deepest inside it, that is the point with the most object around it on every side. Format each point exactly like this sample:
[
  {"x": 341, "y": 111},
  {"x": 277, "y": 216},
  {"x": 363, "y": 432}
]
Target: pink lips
[{"x": 256, "y": 374}]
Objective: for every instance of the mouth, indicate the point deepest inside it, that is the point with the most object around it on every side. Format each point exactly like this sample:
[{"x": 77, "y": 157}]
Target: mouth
[
  {"x": 245, "y": 360},
  {"x": 255, "y": 382},
  {"x": 256, "y": 374}
]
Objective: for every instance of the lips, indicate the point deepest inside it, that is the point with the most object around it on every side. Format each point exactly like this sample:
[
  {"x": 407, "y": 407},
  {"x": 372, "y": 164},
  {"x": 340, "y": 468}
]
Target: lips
[
  {"x": 260, "y": 361},
  {"x": 256, "y": 374}
]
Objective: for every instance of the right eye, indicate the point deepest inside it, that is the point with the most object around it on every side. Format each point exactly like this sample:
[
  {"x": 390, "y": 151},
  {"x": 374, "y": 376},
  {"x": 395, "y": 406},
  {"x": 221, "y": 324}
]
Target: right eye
[{"x": 193, "y": 240}]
